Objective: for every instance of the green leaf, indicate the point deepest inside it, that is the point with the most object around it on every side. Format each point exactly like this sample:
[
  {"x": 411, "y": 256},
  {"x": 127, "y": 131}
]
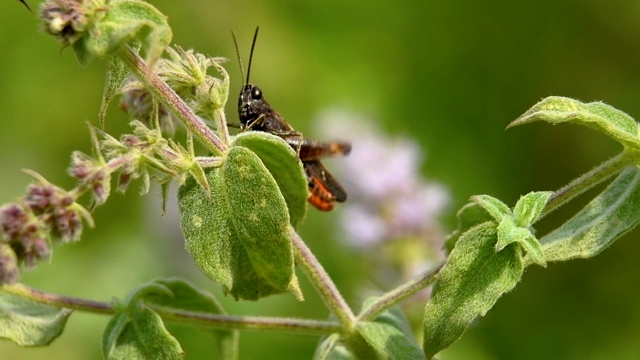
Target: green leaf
[
  {"x": 28, "y": 323},
  {"x": 124, "y": 21},
  {"x": 469, "y": 284},
  {"x": 516, "y": 228},
  {"x": 137, "y": 332},
  {"x": 181, "y": 294},
  {"x": 330, "y": 348},
  {"x": 596, "y": 115},
  {"x": 284, "y": 165},
  {"x": 529, "y": 207},
  {"x": 481, "y": 208},
  {"x": 389, "y": 342},
  {"x": 83, "y": 55},
  {"x": 390, "y": 335},
  {"x": 496, "y": 208},
  {"x": 239, "y": 236},
  {"x": 470, "y": 215},
  {"x": 606, "y": 218},
  {"x": 116, "y": 74},
  {"x": 509, "y": 232},
  {"x": 184, "y": 296}
]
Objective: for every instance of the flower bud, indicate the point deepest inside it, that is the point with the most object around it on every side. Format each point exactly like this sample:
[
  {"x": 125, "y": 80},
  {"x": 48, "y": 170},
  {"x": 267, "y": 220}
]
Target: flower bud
[{"x": 9, "y": 272}]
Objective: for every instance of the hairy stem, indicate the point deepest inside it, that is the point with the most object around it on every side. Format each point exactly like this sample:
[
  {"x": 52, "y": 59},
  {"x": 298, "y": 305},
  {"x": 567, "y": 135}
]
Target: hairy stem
[
  {"x": 273, "y": 324},
  {"x": 58, "y": 300},
  {"x": 163, "y": 92},
  {"x": 587, "y": 181},
  {"x": 400, "y": 293},
  {"x": 323, "y": 283}
]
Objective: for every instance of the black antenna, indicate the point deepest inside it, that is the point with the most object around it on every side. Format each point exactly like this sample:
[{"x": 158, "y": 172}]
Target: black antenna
[
  {"x": 235, "y": 42},
  {"x": 253, "y": 44},
  {"x": 25, "y": 4}
]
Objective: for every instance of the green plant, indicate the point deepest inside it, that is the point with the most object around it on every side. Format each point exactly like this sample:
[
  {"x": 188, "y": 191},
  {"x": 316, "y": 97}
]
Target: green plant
[{"x": 240, "y": 211}]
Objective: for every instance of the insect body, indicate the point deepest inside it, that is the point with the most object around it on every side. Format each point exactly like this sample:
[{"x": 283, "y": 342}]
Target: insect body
[{"x": 257, "y": 115}]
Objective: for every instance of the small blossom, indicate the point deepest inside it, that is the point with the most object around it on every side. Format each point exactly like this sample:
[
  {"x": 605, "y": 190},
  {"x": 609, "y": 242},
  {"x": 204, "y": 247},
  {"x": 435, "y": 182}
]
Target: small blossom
[
  {"x": 40, "y": 197},
  {"x": 64, "y": 18},
  {"x": 138, "y": 101},
  {"x": 9, "y": 270},
  {"x": 22, "y": 240},
  {"x": 91, "y": 173},
  {"x": 13, "y": 220},
  {"x": 68, "y": 225},
  {"x": 186, "y": 72},
  {"x": 101, "y": 186},
  {"x": 34, "y": 250},
  {"x": 55, "y": 210}
]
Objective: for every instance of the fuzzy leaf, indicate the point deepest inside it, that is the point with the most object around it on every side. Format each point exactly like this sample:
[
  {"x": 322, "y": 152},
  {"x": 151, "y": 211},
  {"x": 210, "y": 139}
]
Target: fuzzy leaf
[
  {"x": 470, "y": 215},
  {"x": 126, "y": 20},
  {"x": 240, "y": 236},
  {"x": 606, "y": 218},
  {"x": 496, "y": 208},
  {"x": 184, "y": 296},
  {"x": 469, "y": 284},
  {"x": 596, "y": 115},
  {"x": 330, "y": 348},
  {"x": 83, "y": 55},
  {"x": 509, "y": 232},
  {"x": 390, "y": 335},
  {"x": 116, "y": 74},
  {"x": 28, "y": 323},
  {"x": 285, "y": 167},
  {"x": 529, "y": 207},
  {"x": 137, "y": 332}
]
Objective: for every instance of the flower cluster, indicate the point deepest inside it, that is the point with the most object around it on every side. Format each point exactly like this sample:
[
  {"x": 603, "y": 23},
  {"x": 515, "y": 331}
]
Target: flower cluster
[
  {"x": 392, "y": 212},
  {"x": 47, "y": 214}
]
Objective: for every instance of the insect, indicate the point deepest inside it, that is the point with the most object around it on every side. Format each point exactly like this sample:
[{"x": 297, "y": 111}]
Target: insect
[{"x": 257, "y": 115}]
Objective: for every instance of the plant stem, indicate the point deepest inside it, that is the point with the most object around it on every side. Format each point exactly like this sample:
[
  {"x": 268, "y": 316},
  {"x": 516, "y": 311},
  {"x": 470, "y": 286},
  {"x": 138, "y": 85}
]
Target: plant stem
[
  {"x": 274, "y": 324},
  {"x": 400, "y": 293},
  {"x": 587, "y": 181},
  {"x": 58, "y": 300},
  {"x": 323, "y": 283},
  {"x": 169, "y": 97}
]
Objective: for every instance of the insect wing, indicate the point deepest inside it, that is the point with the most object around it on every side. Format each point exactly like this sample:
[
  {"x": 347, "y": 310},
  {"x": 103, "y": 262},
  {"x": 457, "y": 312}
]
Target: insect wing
[{"x": 325, "y": 190}]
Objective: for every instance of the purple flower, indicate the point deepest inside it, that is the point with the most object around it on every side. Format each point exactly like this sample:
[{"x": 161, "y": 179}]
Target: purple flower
[{"x": 390, "y": 204}]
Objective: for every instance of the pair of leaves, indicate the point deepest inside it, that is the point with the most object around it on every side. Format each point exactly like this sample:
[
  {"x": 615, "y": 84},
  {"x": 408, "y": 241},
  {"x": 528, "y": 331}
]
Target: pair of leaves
[
  {"x": 136, "y": 331},
  {"x": 240, "y": 236},
  {"x": 512, "y": 226}
]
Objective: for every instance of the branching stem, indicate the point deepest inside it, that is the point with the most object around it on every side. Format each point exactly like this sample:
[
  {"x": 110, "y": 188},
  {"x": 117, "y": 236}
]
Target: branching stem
[
  {"x": 323, "y": 283},
  {"x": 273, "y": 324},
  {"x": 169, "y": 97}
]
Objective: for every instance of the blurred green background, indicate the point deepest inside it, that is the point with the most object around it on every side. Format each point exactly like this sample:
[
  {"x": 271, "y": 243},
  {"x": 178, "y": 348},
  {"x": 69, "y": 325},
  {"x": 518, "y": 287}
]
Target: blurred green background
[{"x": 451, "y": 74}]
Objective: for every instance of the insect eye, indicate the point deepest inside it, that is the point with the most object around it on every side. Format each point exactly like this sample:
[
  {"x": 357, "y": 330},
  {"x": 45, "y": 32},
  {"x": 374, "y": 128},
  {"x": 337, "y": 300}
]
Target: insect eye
[{"x": 256, "y": 93}]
